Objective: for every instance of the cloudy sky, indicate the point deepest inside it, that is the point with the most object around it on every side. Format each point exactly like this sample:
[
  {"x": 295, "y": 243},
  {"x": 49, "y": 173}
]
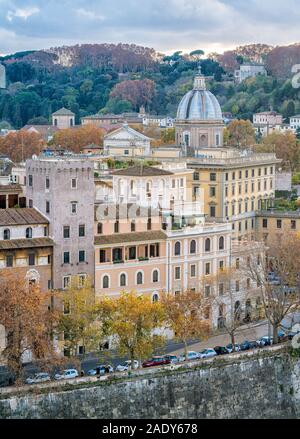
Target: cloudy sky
[{"x": 166, "y": 25}]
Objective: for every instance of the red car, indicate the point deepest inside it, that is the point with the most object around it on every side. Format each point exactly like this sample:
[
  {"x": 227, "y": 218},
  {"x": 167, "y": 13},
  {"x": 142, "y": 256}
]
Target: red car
[{"x": 156, "y": 361}]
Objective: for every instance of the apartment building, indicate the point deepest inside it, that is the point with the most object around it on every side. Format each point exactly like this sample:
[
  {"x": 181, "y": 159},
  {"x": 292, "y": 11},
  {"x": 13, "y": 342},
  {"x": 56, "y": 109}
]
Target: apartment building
[{"x": 273, "y": 225}]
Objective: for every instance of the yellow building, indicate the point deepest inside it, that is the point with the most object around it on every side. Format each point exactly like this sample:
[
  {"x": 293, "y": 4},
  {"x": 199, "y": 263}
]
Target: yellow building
[{"x": 273, "y": 225}]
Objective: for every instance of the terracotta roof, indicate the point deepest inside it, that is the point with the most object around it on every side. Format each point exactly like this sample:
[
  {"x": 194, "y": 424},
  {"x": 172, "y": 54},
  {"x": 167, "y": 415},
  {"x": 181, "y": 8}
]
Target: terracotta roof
[
  {"x": 16, "y": 217},
  {"x": 14, "y": 244},
  {"x": 124, "y": 238},
  {"x": 142, "y": 171}
]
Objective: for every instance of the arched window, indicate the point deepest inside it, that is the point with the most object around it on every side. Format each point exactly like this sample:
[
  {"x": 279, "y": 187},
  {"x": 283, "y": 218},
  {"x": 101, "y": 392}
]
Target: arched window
[
  {"x": 105, "y": 282},
  {"x": 139, "y": 278},
  {"x": 193, "y": 247},
  {"x": 123, "y": 280},
  {"x": 55, "y": 122},
  {"x": 99, "y": 229},
  {"x": 155, "y": 276},
  {"x": 177, "y": 249},
  {"x": 221, "y": 243},
  {"x": 6, "y": 234},
  {"x": 155, "y": 298},
  {"x": 29, "y": 233},
  {"x": 207, "y": 245}
]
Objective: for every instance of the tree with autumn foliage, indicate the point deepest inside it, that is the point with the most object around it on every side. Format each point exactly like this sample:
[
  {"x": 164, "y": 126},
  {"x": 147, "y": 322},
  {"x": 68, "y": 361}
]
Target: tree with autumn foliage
[
  {"x": 28, "y": 323},
  {"x": 285, "y": 145},
  {"x": 21, "y": 145},
  {"x": 84, "y": 322},
  {"x": 138, "y": 91},
  {"x": 185, "y": 316},
  {"x": 74, "y": 139},
  {"x": 134, "y": 321},
  {"x": 239, "y": 133},
  {"x": 283, "y": 258}
]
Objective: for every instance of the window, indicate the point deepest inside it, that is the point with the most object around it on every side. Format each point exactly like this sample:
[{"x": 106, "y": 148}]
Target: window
[
  {"x": 9, "y": 261},
  {"x": 248, "y": 284},
  {"x": 155, "y": 276},
  {"x": 67, "y": 282},
  {"x": 28, "y": 233},
  {"x": 233, "y": 176},
  {"x": 66, "y": 257},
  {"x": 139, "y": 278},
  {"x": 237, "y": 286},
  {"x": 47, "y": 183},
  {"x": 221, "y": 243},
  {"x": 47, "y": 206},
  {"x": 126, "y": 151},
  {"x": 221, "y": 265},
  {"x": 30, "y": 203},
  {"x": 132, "y": 253},
  {"x": 74, "y": 183},
  {"x": 193, "y": 270},
  {"x": 6, "y": 234},
  {"x": 259, "y": 172},
  {"x": 49, "y": 284},
  {"x": 45, "y": 231},
  {"x": 213, "y": 176},
  {"x": 66, "y": 232},
  {"x": 49, "y": 257},
  {"x": 181, "y": 182},
  {"x": 279, "y": 224},
  {"x": 207, "y": 269},
  {"x": 31, "y": 259},
  {"x": 212, "y": 191},
  {"x": 221, "y": 289},
  {"x": 240, "y": 175},
  {"x": 253, "y": 173},
  {"x": 226, "y": 191},
  {"x": 81, "y": 280},
  {"x": 81, "y": 256},
  {"x": 265, "y": 223},
  {"x": 196, "y": 176},
  {"x": 123, "y": 281},
  {"x": 226, "y": 176},
  {"x": 207, "y": 245},
  {"x": 177, "y": 273},
  {"x": 207, "y": 290},
  {"x": 155, "y": 298},
  {"x": 193, "y": 247},
  {"x": 74, "y": 207},
  {"x": 102, "y": 256},
  {"x": 217, "y": 139},
  {"x": 212, "y": 211},
  {"x": 237, "y": 264},
  {"x": 105, "y": 282},
  {"x": 177, "y": 249},
  {"x": 133, "y": 226},
  {"x": 81, "y": 231},
  {"x": 293, "y": 224},
  {"x": 99, "y": 228},
  {"x": 30, "y": 180},
  {"x": 116, "y": 227}
]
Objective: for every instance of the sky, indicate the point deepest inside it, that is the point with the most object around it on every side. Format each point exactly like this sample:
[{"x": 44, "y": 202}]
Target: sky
[{"x": 166, "y": 25}]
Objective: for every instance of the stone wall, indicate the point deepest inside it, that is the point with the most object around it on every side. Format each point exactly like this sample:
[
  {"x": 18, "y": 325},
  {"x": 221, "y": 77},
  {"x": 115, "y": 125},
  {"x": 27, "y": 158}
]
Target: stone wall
[{"x": 261, "y": 385}]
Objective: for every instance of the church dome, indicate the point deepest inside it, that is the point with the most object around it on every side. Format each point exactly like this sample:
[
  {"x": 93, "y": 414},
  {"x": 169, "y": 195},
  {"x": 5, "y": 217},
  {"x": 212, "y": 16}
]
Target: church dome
[{"x": 199, "y": 104}]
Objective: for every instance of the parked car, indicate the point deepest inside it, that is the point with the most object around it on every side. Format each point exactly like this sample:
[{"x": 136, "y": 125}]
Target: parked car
[
  {"x": 156, "y": 361},
  {"x": 207, "y": 353},
  {"x": 245, "y": 346},
  {"x": 230, "y": 349},
  {"x": 38, "y": 378},
  {"x": 173, "y": 358},
  {"x": 127, "y": 366},
  {"x": 191, "y": 355},
  {"x": 67, "y": 374},
  {"x": 221, "y": 350},
  {"x": 282, "y": 336},
  {"x": 101, "y": 370},
  {"x": 265, "y": 341}
]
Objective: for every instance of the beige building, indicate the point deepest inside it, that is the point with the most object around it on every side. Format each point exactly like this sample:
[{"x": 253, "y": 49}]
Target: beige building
[
  {"x": 273, "y": 225},
  {"x": 63, "y": 119},
  {"x": 126, "y": 142}
]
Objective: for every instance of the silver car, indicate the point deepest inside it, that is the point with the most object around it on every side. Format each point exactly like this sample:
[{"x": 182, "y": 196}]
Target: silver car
[{"x": 38, "y": 378}]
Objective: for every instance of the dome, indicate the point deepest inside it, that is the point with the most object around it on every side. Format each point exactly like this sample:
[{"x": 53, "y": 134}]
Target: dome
[{"x": 199, "y": 104}]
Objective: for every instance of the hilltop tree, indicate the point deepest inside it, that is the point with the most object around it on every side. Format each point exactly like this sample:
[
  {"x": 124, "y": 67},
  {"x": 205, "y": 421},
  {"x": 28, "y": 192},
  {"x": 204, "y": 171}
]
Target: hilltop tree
[
  {"x": 185, "y": 316},
  {"x": 27, "y": 321},
  {"x": 138, "y": 92}
]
